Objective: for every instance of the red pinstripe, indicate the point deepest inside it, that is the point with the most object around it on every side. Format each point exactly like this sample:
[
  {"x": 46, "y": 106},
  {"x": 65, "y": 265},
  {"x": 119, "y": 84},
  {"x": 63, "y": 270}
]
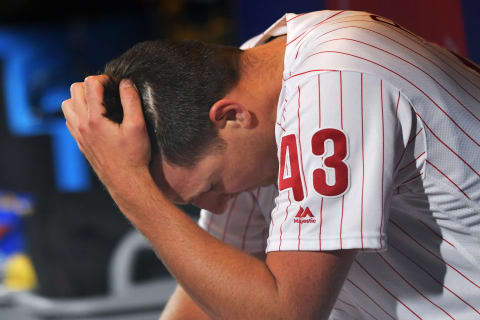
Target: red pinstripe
[
  {"x": 433, "y": 254},
  {"x": 320, "y": 125},
  {"x": 341, "y": 224},
  {"x": 411, "y": 83},
  {"x": 210, "y": 222},
  {"x": 286, "y": 216},
  {"x": 271, "y": 213},
  {"x": 278, "y": 124},
  {"x": 410, "y": 49},
  {"x": 341, "y": 125},
  {"x": 347, "y": 303},
  {"x": 228, "y": 218},
  {"x": 435, "y": 279},
  {"x": 300, "y": 145},
  {"x": 457, "y": 62},
  {"x": 413, "y": 65},
  {"x": 435, "y": 233},
  {"x": 299, "y": 232},
  {"x": 256, "y": 196},
  {"x": 443, "y": 174},
  {"x": 269, "y": 227},
  {"x": 312, "y": 28},
  {"x": 398, "y": 103},
  {"x": 383, "y": 161},
  {"x": 363, "y": 157},
  {"x": 412, "y": 286},
  {"x": 320, "y": 232},
  {"x": 338, "y": 309},
  {"x": 308, "y": 71},
  {"x": 413, "y": 161},
  {"x": 366, "y": 294},
  {"x": 272, "y": 224},
  {"x": 351, "y": 16},
  {"x": 412, "y": 178},
  {"x": 388, "y": 291},
  {"x": 283, "y": 110},
  {"x": 319, "y": 105},
  {"x": 254, "y": 205},
  {"x": 294, "y": 39},
  {"x": 351, "y": 305},
  {"x": 298, "y": 15},
  {"x": 456, "y": 154},
  {"x": 341, "y": 101},
  {"x": 405, "y": 149},
  {"x": 417, "y": 113}
]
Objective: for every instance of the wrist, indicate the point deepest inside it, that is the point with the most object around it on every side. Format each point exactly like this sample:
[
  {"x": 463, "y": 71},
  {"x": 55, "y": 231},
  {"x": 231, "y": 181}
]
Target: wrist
[{"x": 126, "y": 189}]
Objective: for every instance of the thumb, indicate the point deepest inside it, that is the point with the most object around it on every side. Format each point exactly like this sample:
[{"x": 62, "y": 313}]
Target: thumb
[{"x": 131, "y": 103}]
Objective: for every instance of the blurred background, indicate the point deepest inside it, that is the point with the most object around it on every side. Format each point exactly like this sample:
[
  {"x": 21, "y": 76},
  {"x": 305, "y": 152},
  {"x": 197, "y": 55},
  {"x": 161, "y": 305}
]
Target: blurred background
[{"x": 65, "y": 250}]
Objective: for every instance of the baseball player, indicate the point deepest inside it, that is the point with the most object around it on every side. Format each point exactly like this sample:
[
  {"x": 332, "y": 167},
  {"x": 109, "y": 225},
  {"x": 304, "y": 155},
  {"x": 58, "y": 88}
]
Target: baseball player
[{"x": 372, "y": 212}]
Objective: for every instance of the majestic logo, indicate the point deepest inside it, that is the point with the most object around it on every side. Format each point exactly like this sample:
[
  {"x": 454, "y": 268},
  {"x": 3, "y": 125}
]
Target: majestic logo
[{"x": 304, "y": 216}]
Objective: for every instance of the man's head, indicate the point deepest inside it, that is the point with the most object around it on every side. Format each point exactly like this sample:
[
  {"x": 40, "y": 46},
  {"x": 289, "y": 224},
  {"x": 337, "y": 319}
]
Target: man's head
[
  {"x": 178, "y": 82},
  {"x": 202, "y": 128}
]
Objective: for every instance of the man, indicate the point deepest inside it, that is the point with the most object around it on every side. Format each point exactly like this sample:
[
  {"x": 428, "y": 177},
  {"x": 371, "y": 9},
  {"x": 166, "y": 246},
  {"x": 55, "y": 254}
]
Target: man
[{"x": 370, "y": 132}]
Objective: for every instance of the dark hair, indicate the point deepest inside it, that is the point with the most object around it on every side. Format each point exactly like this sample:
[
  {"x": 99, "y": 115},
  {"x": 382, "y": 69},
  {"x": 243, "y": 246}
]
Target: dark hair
[{"x": 177, "y": 82}]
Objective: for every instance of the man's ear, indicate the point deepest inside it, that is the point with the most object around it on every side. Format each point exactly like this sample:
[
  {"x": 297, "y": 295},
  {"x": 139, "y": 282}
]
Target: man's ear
[{"x": 227, "y": 111}]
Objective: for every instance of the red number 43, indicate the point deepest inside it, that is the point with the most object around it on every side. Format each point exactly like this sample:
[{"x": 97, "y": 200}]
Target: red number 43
[{"x": 329, "y": 180}]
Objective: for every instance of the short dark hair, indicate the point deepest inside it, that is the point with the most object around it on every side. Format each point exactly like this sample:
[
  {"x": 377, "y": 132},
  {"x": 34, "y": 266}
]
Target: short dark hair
[{"x": 177, "y": 82}]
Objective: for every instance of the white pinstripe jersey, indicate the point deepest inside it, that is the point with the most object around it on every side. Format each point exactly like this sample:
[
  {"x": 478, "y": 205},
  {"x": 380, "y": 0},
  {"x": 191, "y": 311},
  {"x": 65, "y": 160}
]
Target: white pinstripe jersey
[{"x": 378, "y": 135}]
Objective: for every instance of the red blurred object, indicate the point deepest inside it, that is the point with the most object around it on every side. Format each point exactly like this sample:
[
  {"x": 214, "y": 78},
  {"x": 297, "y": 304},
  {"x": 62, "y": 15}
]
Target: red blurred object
[
  {"x": 436, "y": 21},
  {"x": 3, "y": 230}
]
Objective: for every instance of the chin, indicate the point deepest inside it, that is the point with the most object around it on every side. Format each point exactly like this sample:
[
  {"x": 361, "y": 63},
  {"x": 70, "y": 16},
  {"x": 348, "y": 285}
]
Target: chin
[{"x": 217, "y": 206}]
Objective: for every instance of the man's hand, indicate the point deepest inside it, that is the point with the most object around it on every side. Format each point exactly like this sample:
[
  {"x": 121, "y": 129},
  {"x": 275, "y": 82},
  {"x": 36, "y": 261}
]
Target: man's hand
[{"x": 116, "y": 152}]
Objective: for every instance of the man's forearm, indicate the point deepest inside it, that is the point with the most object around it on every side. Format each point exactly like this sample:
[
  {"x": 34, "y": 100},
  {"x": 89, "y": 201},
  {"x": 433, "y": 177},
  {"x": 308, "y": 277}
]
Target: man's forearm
[{"x": 218, "y": 277}]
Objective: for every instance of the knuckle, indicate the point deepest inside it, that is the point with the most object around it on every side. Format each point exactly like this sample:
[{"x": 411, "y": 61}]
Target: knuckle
[
  {"x": 93, "y": 80},
  {"x": 89, "y": 81},
  {"x": 65, "y": 104},
  {"x": 75, "y": 86}
]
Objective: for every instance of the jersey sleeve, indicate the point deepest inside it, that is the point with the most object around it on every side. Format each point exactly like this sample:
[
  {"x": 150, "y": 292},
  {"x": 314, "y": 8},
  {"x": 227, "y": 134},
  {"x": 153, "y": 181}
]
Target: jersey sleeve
[
  {"x": 244, "y": 224},
  {"x": 338, "y": 139}
]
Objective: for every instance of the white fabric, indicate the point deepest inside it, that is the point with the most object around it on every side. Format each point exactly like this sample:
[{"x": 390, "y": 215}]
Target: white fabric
[{"x": 416, "y": 173}]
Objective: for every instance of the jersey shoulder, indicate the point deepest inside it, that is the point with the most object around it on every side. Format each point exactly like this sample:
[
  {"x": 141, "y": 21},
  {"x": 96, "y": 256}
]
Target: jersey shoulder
[{"x": 348, "y": 41}]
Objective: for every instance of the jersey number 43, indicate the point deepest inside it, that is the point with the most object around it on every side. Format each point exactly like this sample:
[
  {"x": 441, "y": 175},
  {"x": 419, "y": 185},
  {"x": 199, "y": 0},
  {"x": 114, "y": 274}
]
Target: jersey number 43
[{"x": 330, "y": 179}]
